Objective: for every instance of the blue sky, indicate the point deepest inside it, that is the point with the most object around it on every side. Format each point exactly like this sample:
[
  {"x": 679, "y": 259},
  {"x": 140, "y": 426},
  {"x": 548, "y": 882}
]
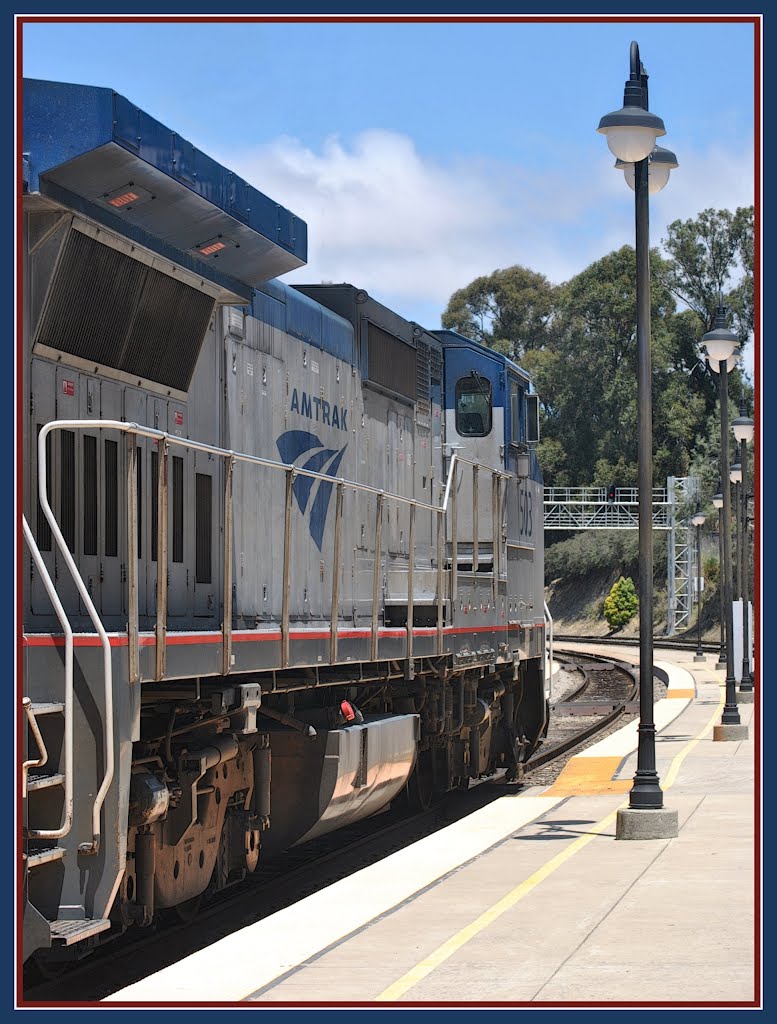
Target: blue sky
[{"x": 422, "y": 155}]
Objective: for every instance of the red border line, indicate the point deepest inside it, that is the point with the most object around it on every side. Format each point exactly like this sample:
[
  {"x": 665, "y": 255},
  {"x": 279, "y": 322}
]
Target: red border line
[{"x": 249, "y": 636}]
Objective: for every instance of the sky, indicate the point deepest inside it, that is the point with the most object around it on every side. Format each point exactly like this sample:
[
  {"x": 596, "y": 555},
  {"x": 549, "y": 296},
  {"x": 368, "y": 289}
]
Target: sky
[{"x": 422, "y": 156}]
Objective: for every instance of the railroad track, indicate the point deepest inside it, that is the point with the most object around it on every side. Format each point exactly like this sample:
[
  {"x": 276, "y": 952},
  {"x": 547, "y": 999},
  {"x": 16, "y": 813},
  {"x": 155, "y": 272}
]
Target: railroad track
[
  {"x": 688, "y": 643},
  {"x": 605, "y": 708},
  {"x": 283, "y": 881}
]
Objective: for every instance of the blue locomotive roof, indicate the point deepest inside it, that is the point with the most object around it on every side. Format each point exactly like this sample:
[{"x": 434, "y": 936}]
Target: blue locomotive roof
[
  {"x": 295, "y": 313},
  {"x": 94, "y": 150},
  {"x": 452, "y": 339}
]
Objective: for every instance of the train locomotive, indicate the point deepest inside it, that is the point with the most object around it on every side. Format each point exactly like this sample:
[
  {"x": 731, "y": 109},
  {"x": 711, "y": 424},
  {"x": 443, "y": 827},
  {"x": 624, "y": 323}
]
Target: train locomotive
[{"x": 282, "y": 552}]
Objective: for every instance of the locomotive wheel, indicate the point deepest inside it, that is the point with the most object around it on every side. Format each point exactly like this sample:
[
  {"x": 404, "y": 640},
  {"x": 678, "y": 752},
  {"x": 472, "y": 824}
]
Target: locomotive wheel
[
  {"x": 42, "y": 969},
  {"x": 183, "y": 912},
  {"x": 420, "y": 785}
]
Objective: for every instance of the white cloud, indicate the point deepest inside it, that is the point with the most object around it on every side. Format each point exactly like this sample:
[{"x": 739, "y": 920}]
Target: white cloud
[{"x": 411, "y": 230}]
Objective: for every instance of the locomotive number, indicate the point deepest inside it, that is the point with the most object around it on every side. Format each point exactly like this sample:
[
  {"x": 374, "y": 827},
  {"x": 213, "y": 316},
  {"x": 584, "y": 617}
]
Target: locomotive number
[{"x": 525, "y": 503}]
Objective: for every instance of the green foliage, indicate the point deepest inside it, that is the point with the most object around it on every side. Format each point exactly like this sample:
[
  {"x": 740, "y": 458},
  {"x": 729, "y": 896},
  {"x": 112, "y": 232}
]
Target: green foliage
[
  {"x": 509, "y": 310},
  {"x": 601, "y": 551},
  {"x": 592, "y": 551},
  {"x": 711, "y": 571},
  {"x": 577, "y": 340},
  {"x": 621, "y": 604},
  {"x": 706, "y": 251}
]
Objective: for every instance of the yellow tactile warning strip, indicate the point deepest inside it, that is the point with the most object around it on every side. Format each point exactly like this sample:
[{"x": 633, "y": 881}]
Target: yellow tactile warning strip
[
  {"x": 447, "y": 949},
  {"x": 681, "y": 693},
  {"x": 589, "y": 776}
]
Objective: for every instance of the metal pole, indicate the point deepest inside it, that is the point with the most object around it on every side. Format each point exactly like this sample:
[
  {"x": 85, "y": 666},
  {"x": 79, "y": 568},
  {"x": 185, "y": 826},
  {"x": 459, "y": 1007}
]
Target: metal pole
[
  {"x": 133, "y": 652},
  {"x": 334, "y": 607},
  {"x": 226, "y": 624},
  {"x": 410, "y": 585},
  {"x": 376, "y": 567},
  {"x": 161, "y": 564},
  {"x": 646, "y": 792},
  {"x": 285, "y": 596},
  {"x": 722, "y": 652},
  {"x": 736, "y": 546},
  {"x": 747, "y": 679},
  {"x": 699, "y": 652},
  {"x": 730, "y": 714}
]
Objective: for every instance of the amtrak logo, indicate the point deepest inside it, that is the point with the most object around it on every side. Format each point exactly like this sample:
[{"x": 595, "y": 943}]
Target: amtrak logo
[{"x": 291, "y": 446}]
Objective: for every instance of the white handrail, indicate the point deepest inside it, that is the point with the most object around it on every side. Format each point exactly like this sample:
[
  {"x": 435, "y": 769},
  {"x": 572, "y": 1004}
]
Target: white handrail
[
  {"x": 257, "y": 460},
  {"x": 99, "y": 799},
  {"x": 67, "y": 821},
  {"x": 174, "y": 439}
]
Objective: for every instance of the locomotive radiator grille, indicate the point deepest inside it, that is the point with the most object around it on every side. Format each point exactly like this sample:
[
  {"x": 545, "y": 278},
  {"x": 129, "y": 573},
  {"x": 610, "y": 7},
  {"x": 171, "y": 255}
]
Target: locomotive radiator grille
[{"x": 112, "y": 310}]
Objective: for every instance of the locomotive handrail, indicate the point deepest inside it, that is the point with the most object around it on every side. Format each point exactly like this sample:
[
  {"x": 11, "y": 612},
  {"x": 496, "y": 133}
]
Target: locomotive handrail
[
  {"x": 549, "y": 625},
  {"x": 67, "y": 820},
  {"x": 165, "y": 440},
  {"x": 43, "y": 754},
  {"x": 94, "y": 846}
]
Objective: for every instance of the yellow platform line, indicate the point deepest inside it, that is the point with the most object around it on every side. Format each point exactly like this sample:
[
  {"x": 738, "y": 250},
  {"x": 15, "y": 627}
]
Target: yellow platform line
[
  {"x": 680, "y": 693},
  {"x": 461, "y": 938}
]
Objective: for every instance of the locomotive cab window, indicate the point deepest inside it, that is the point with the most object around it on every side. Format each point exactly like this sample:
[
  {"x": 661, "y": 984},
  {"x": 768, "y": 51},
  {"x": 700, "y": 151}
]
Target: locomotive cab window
[{"x": 473, "y": 406}]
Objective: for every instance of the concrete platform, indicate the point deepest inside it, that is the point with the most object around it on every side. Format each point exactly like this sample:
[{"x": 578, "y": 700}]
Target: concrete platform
[{"x": 531, "y": 901}]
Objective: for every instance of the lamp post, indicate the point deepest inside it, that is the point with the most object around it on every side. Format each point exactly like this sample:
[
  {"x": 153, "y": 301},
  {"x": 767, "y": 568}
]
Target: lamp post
[
  {"x": 698, "y": 521},
  {"x": 735, "y": 476},
  {"x": 717, "y": 501},
  {"x": 631, "y": 134},
  {"x": 744, "y": 431},
  {"x": 720, "y": 344}
]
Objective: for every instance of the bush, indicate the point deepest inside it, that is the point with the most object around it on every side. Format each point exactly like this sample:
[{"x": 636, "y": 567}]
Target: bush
[
  {"x": 621, "y": 604},
  {"x": 593, "y": 551},
  {"x": 711, "y": 571}
]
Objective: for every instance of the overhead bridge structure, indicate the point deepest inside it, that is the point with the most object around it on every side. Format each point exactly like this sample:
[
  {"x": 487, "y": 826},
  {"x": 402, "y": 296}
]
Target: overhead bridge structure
[{"x": 603, "y": 508}]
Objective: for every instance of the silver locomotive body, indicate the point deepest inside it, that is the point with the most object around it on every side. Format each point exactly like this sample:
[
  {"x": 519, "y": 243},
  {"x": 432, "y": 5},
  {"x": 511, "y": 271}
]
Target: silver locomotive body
[{"x": 283, "y": 556}]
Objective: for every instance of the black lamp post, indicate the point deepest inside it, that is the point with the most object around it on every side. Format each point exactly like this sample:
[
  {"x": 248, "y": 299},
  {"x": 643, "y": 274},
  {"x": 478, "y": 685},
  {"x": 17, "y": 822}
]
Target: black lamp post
[
  {"x": 735, "y": 476},
  {"x": 744, "y": 431},
  {"x": 698, "y": 521},
  {"x": 631, "y": 134},
  {"x": 720, "y": 344},
  {"x": 717, "y": 501}
]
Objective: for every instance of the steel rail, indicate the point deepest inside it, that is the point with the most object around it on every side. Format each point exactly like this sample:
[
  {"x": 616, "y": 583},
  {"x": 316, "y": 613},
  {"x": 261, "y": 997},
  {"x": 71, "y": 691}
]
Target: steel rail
[{"x": 545, "y": 756}]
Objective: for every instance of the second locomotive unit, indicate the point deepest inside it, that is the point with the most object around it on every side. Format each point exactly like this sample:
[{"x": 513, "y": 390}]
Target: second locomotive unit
[{"x": 284, "y": 555}]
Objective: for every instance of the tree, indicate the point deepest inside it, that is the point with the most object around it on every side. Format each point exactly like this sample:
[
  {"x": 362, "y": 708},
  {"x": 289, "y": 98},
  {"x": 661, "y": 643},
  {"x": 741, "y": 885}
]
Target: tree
[
  {"x": 705, "y": 253},
  {"x": 621, "y": 604},
  {"x": 577, "y": 340},
  {"x": 510, "y": 310},
  {"x": 586, "y": 375}
]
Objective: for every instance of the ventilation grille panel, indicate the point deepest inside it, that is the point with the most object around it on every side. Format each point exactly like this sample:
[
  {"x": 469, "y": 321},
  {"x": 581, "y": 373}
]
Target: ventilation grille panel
[
  {"x": 390, "y": 362},
  {"x": 109, "y": 309}
]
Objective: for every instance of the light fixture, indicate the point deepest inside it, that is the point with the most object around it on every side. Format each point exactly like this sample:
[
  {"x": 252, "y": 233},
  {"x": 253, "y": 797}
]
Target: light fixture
[
  {"x": 743, "y": 427},
  {"x": 631, "y": 132},
  {"x": 698, "y": 518},
  {"x": 731, "y": 362},
  {"x": 660, "y": 162},
  {"x": 126, "y": 197},
  {"x": 213, "y": 247},
  {"x": 735, "y": 474},
  {"x": 720, "y": 342},
  {"x": 717, "y": 500}
]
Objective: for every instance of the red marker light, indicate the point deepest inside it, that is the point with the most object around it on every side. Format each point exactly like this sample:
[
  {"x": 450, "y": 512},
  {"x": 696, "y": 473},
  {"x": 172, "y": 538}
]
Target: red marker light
[
  {"x": 123, "y": 200},
  {"x": 347, "y": 711},
  {"x": 127, "y": 196},
  {"x": 210, "y": 249}
]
